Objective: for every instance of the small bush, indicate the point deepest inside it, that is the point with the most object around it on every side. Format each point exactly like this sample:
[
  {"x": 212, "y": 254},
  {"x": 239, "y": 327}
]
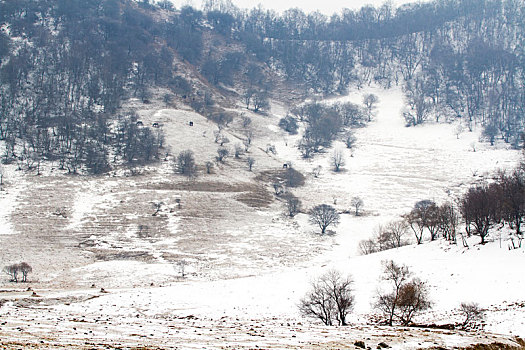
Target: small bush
[{"x": 289, "y": 124}]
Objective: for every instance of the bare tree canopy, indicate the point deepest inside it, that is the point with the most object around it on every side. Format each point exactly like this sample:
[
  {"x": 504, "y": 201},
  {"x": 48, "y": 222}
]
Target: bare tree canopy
[
  {"x": 330, "y": 298},
  {"x": 292, "y": 203},
  {"x": 338, "y": 160},
  {"x": 408, "y": 296},
  {"x": 357, "y": 203},
  {"x": 186, "y": 164},
  {"x": 324, "y": 215}
]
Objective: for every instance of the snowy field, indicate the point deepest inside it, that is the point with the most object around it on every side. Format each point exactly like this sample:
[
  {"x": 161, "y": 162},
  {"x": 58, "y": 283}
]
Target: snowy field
[{"x": 248, "y": 265}]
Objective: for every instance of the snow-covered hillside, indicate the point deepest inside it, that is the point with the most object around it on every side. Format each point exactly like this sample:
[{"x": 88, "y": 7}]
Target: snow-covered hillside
[
  {"x": 250, "y": 265},
  {"x": 326, "y": 7}
]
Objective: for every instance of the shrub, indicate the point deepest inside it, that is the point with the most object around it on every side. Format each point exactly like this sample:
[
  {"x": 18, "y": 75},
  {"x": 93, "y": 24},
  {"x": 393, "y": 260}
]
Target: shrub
[{"x": 330, "y": 299}]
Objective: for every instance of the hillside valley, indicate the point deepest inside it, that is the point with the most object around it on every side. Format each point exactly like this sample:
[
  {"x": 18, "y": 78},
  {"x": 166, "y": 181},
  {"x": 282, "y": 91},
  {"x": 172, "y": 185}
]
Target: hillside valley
[
  {"x": 245, "y": 261},
  {"x": 228, "y": 178}
]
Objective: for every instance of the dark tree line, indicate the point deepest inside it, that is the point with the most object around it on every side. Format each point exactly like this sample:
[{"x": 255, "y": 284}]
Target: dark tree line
[
  {"x": 66, "y": 67},
  {"x": 501, "y": 202},
  {"x": 456, "y": 59},
  {"x": 481, "y": 208}
]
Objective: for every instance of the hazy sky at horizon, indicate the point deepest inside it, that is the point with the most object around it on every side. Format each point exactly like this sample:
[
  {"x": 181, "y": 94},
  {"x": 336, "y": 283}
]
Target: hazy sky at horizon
[{"x": 327, "y": 7}]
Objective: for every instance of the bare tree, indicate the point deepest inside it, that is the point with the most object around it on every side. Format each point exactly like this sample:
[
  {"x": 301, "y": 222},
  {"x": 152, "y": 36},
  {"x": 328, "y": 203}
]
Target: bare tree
[
  {"x": 387, "y": 303},
  {"x": 473, "y": 315},
  {"x": 12, "y": 271},
  {"x": 182, "y": 267},
  {"x": 317, "y": 171},
  {"x": 209, "y": 166},
  {"x": 25, "y": 269},
  {"x": 224, "y": 140},
  {"x": 217, "y": 136},
  {"x": 324, "y": 215},
  {"x": 250, "y": 161},
  {"x": 157, "y": 205},
  {"x": 397, "y": 230},
  {"x": 248, "y": 140},
  {"x": 186, "y": 164},
  {"x": 330, "y": 299},
  {"x": 385, "y": 237},
  {"x": 349, "y": 139},
  {"x": 478, "y": 207},
  {"x": 292, "y": 203},
  {"x": 368, "y": 246},
  {"x": 413, "y": 299},
  {"x": 245, "y": 121},
  {"x": 222, "y": 154},
  {"x": 370, "y": 102},
  {"x": 357, "y": 203},
  {"x": 448, "y": 221},
  {"x": 238, "y": 150},
  {"x": 338, "y": 160},
  {"x": 423, "y": 215},
  {"x": 260, "y": 101}
]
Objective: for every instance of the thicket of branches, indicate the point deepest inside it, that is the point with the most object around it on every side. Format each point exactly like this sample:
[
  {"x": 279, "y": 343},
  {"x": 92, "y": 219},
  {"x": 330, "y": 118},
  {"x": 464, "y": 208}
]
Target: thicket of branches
[{"x": 330, "y": 299}]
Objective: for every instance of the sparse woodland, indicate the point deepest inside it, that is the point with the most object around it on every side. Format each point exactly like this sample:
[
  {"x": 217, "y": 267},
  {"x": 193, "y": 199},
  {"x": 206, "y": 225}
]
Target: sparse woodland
[
  {"x": 70, "y": 69},
  {"x": 67, "y": 66}
]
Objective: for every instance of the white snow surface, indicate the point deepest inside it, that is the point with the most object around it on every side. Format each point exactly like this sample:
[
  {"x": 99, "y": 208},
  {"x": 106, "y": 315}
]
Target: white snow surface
[
  {"x": 13, "y": 185},
  {"x": 391, "y": 168}
]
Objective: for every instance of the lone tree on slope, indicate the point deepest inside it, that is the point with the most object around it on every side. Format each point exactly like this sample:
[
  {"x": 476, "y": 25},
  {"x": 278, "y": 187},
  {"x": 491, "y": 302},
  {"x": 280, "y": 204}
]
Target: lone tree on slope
[
  {"x": 324, "y": 215},
  {"x": 338, "y": 160},
  {"x": 329, "y": 299},
  {"x": 370, "y": 102},
  {"x": 408, "y": 296},
  {"x": 186, "y": 164},
  {"x": 357, "y": 203}
]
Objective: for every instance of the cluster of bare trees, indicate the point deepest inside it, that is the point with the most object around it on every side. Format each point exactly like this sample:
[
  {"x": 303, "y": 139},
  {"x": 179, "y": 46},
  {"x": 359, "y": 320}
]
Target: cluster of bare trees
[
  {"x": 455, "y": 59},
  {"x": 482, "y": 207},
  {"x": 391, "y": 236},
  {"x": 61, "y": 86},
  {"x": 407, "y": 297},
  {"x": 323, "y": 124},
  {"x": 399, "y": 299},
  {"x": 501, "y": 202},
  {"x": 15, "y": 270},
  {"x": 330, "y": 298},
  {"x": 435, "y": 219}
]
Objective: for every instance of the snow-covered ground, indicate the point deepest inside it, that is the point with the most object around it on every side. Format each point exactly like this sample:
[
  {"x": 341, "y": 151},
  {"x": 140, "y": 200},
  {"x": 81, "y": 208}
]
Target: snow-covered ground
[{"x": 390, "y": 168}]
